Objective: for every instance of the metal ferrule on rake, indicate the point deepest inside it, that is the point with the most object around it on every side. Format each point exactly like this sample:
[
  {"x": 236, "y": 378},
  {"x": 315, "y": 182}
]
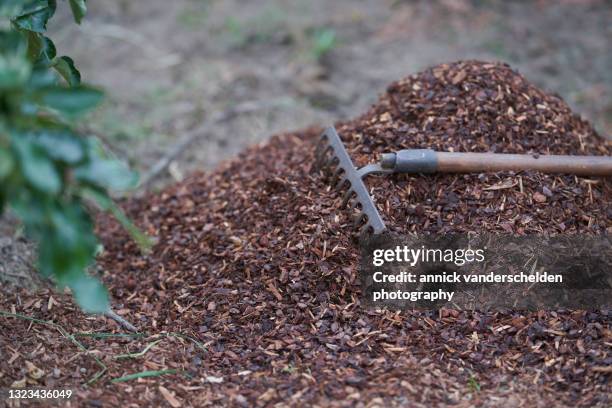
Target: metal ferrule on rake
[{"x": 331, "y": 154}]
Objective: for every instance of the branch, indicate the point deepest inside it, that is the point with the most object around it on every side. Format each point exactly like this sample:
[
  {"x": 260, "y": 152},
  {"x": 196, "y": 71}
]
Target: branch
[{"x": 121, "y": 321}]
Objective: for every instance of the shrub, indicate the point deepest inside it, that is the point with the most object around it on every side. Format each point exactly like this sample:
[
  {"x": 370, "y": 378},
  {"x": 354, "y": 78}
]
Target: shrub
[{"x": 48, "y": 172}]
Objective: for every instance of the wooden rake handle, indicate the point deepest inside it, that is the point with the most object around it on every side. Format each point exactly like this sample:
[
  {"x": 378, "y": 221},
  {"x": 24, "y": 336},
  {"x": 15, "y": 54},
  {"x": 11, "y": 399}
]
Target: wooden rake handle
[{"x": 430, "y": 161}]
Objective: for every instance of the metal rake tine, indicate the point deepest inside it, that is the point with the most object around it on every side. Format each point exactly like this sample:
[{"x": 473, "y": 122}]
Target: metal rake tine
[
  {"x": 354, "y": 204},
  {"x": 321, "y": 146},
  {"x": 358, "y": 219},
  {"x": 341, "y": 183},
  {"x": 339, "y": 162},
  {"x": 347, "y": 196},
  {"x": 336, "y": 175},
  {"x": 321, "y": 155},
  {"x": 365, "y": 230},
  {"x": 323, "y": 150},
  {"x": 331, "y": 162}
]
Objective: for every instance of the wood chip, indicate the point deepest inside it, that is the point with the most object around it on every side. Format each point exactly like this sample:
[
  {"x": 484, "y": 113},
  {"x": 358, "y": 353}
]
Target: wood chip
[{"x": 168, "y": 396}]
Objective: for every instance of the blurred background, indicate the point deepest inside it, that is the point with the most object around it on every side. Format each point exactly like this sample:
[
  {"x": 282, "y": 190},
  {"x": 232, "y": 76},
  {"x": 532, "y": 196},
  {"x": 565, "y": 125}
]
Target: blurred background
[{"x": 193, "y": 82}]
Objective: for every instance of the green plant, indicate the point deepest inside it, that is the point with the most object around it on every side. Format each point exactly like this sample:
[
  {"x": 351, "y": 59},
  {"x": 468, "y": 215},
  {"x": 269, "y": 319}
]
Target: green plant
[
  {"x": 473, "y": 384},
  {"x": 237, "y": 35},
  {"x": 194, "y": 15},
  {"x": 49, "y": 173},
  {"x": 323, "y": 41}
]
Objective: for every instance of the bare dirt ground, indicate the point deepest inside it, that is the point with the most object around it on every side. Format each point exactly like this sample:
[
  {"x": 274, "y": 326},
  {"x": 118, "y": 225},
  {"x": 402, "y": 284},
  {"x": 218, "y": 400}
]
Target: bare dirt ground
[{"x": 171, "y": 66}]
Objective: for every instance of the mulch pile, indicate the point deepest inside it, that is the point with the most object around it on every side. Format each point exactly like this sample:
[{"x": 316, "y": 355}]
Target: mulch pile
[
  {"x": 252, "y": 289},
  {"x": 479, "y": 107}
]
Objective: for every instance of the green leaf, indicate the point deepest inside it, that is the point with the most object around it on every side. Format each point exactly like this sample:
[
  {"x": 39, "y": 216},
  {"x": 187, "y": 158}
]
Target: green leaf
[
  {"x": 90, "y": 294},
  {"x": 11, "y": 8},
  {"x": 35, "y": 15},
  {"x": 48, "y": 51},
  {"x": 60, "y": 145},
  {"x": 41, "y": 78},
  {"x": 64, "y": 231},
  {"x": 107, "y": 173},
  {"x": 324, "y": 42},
  {"x": 35, "y": 45},
  {"x": 6, "y": 163},
  {"x": 65, "y": 66},
  {"x": 36, "y": 167},
  {"x": 12, "y": 42},
  {"x": 66, "y": 249},
  {"x": 31, "y": 208},
  {"x": 14, "y": 71},
  {"x": 72, "y": 102},
  {"x": 14, "y": 65},
  {"x": 41, "y": 49},
  {"x": 79, "y": 9}
]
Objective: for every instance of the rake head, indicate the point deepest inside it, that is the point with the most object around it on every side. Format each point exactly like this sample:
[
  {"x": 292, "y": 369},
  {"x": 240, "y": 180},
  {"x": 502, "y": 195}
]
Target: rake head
[{"x": 332, "y": 157}]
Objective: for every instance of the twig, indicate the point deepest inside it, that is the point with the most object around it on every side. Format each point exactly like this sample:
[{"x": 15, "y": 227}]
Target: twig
[
  {"x": 139, "y": 354},
  {"x": 121, "y": 321},
  {"x": 191, "y": 339},
  {"x": 190, "y": 137}
]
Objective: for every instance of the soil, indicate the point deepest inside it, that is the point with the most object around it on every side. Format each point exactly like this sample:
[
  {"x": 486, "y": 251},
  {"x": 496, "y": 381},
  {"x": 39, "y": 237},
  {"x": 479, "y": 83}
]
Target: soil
[
  {"x": 170, "y": 66},
  {"x": 251, "y": 295}
]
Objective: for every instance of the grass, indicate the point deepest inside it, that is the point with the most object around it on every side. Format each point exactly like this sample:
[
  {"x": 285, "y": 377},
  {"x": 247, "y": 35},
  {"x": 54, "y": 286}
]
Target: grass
[
  {"x": 195, "y": 15},
  {"x": 103, "y": 368},
  {"x": 473, "y": 384},
  {"x": 235, "y": 31},
  {"x": 65, "y": 334},
  {"x": 143, "y": 374},
  {"x": 258, "y": 29}
]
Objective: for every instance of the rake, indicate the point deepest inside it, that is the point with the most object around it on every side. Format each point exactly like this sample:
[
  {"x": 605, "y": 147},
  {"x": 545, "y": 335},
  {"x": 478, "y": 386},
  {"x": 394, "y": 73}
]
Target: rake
[{"x": 331, "y": 156}]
